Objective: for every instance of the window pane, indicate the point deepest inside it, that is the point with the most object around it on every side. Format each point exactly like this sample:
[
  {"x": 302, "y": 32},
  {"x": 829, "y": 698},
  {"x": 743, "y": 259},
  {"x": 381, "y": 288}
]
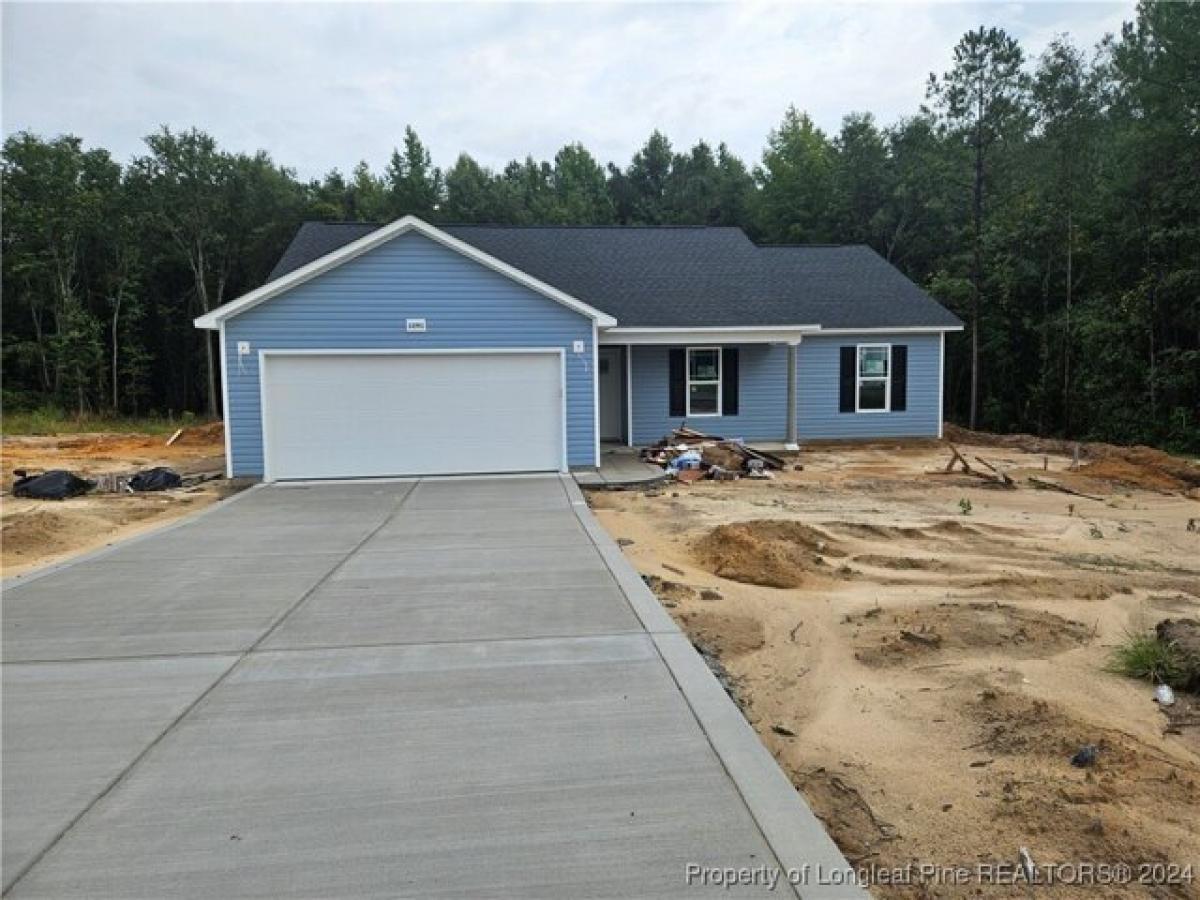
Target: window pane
[
  {"x": 703, "y": 399},
  {"x": 872, "y": 394},
  {"x": 872, "y": 361},
  {"x": 704, "y": 365}
]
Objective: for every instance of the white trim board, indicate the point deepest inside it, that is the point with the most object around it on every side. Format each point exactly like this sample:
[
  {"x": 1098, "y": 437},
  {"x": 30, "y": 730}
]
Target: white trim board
[
  {"x": 595, "y": 397},
  {"x": 354, "y": 249},
  {"x": 941, "y": 404},
  {"x": 749, "y": 335},
  {"x": 904, "y": 329},
  {"x": 628, "y": 395},
  {"x": 266, "y": 353},
  {"x": 225, "y": 402}
]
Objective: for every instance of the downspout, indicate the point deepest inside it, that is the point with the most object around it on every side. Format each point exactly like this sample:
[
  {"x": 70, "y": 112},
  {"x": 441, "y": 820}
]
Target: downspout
[{"x": 792, "y": 442}]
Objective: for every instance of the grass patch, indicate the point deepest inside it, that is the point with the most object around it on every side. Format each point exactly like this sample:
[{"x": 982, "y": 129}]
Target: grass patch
[
  {"x": 48, "y": 420},
  {"x": 1145, "y": 657}
]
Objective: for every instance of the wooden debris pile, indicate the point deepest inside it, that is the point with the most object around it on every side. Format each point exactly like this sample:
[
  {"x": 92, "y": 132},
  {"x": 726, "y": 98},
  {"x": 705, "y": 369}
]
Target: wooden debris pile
[
  {"x": 958, "y": 465},
  {"x": 692, "y": 455}
]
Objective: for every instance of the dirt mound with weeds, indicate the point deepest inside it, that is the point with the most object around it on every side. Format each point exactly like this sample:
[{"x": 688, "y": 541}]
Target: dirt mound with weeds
[
  {"x": 898, "y": 638},
  {"x": 768, "y": 552}
]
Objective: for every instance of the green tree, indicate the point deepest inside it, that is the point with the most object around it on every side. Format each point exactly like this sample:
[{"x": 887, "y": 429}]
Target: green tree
[
  {"x": 861, "y": 179},
  {"x": 414, "y": 184},
  {"x": 54, "y": 198},
  {"x": 184, "y": 180},
  {"x": 647, "y": 181},
  {"x": 690, "y": 195},
  {"x": 796, "y": 182},
  {"x": 1066, "y": 103},
  {"x": 982, "y": 98},
  {"x": 580, "y": 189}
]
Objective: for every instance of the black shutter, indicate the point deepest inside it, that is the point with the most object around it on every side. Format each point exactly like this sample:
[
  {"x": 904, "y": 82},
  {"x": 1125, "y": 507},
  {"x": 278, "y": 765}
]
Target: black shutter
[
  {"x": 729, "y": 381},
  {"x": 849, "y": 363},
  {"x": 899, "y": 377},
  {"x": 677, "y": 357}
]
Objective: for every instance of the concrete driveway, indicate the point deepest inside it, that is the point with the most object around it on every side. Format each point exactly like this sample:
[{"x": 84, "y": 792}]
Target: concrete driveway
[{"x": 424, "y": 688}]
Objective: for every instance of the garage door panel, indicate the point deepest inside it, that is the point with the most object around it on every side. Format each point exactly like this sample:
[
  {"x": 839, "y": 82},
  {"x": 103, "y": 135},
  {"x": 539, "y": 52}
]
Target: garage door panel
[{"x": 347, "y": 415}]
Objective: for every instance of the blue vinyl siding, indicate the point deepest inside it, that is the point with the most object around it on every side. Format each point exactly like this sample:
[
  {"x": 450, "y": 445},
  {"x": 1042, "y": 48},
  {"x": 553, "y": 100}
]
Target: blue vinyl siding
[
  {"x": 762, "y": 396},
  {"x": 818, "y": 388},
  {"x": 363, "y": 304},
  {"x": 762, "y": 402}
]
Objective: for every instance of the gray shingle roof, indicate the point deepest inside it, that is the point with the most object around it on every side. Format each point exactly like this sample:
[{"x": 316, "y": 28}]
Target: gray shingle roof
[{"x": 683, "y": 276}]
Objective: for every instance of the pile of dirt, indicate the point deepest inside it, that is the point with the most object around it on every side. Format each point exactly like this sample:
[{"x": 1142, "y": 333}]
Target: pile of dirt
[
  {"x": 841, "y": 808},
  {"x": 1078, "y": 813},
  {"x": 1142, "y": 467},
  {"x": 727, "y": 635},
  {"x": 1029, "y": 443},
  {"x": 767, "y": 552},
  {"x": 669, "y": 593},
  {"x": 900, "y": 637},
  {"x": 942, "y": 530},
  {"x": 202, "y": 435},
  {"x": 902, "y": 563},
  {"x": 32, "y": 530},
  {"x": 1136, "y": 466}
]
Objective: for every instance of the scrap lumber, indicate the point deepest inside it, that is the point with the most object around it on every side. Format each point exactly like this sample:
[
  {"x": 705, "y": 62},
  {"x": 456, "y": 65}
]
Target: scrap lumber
[
  {"x": 956, "y": 457},
  {"x": 965, "y": 468},
  {"x": 770, "y": 460},
  {"x": 1046, "y": 484},
  {"x": 1003, "y": 476},
  {"x": 173, "y": 438}
]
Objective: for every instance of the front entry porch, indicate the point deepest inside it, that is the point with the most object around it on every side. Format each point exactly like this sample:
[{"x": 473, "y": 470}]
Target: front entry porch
[
  {"x": 745, "y": 390},
  {"x": 620, "y": 467}
]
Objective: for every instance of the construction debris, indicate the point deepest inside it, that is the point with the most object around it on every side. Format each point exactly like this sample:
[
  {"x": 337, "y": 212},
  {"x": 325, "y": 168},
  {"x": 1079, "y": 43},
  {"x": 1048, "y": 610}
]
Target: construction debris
[
  {"x": 691, "y": 455},
  {"x": 997, "y": 476},
  {"x": 1047, "y": 484},
  {"x": 57, "y": 484},
  {"x": 159, "y": 478}
]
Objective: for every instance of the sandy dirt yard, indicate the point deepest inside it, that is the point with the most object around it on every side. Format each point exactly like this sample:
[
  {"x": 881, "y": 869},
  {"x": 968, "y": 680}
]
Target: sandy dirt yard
[
  {"x": 924, "y": 674},
  {"x": 34, "y": 533}
]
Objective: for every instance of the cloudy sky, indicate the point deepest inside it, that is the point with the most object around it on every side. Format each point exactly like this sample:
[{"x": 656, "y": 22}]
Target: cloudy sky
[{"x": 320, "y": 85}]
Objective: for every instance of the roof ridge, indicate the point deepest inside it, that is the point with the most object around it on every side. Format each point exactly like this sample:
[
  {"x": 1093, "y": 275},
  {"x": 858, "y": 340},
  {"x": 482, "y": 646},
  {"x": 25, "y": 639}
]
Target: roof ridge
[
  {"x": 804, "y": 246},
  {"x": 541, "y": 225}
]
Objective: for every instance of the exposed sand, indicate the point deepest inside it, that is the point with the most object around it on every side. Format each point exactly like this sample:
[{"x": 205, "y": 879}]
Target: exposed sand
[
  {"x": 34, "y": 533},
  {"x": 938, "y": 670}
]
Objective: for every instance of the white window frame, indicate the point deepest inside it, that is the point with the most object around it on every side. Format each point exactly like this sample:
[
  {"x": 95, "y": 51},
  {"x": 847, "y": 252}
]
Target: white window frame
[
  {"x": 859, "y": 378},
  {"x": 688, "y": 382}
]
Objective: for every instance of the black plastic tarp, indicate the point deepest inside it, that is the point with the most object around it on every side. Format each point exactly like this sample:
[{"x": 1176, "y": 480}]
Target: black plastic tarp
[
  {"x": 57, "y": 484},
  {"x": 156, "y": 479}
]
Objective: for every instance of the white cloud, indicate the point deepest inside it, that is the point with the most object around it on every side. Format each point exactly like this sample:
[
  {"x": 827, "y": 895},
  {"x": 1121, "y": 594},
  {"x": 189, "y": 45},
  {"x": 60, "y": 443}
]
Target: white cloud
[{"x": 324, "y": 85}]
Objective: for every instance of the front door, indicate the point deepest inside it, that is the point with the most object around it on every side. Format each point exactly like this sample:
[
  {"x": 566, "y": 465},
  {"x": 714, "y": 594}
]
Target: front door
[{"x": 612, "y": 394}]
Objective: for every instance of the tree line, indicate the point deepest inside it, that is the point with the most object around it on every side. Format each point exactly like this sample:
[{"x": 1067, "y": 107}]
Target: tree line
[{"x": 1052, "y": 201}]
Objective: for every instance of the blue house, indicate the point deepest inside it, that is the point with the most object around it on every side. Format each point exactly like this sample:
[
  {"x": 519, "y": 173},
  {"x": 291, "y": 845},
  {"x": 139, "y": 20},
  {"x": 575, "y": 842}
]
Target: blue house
[{"x": 410, "y": 349}]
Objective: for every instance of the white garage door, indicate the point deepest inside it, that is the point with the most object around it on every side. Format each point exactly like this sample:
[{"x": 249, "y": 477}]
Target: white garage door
[{"x": 357, "y": 415}]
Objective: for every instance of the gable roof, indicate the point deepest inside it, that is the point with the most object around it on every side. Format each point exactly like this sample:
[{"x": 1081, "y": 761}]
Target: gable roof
[
  {"x": 363, "y": 243},
  {"x": 678, "y": 276}
]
